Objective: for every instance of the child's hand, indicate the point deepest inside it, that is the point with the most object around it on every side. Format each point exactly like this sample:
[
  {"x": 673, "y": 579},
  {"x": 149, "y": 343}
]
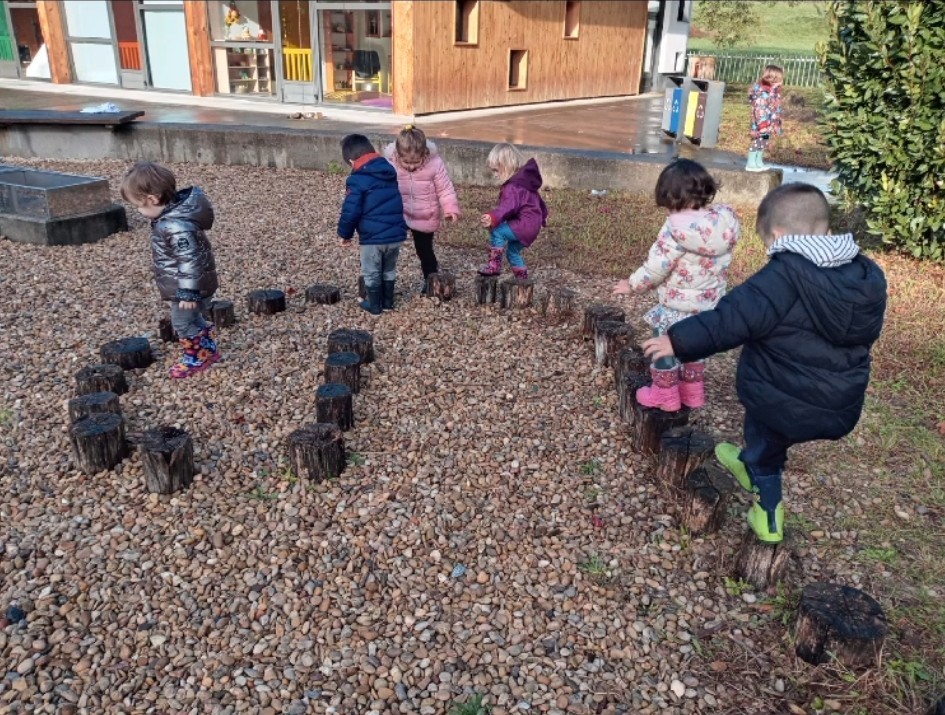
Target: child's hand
[
  {"x": 451, "y": 218},
  {"x": 187, "y": 305},
  {"x": 656, "y": 348},
  {"x": 346, "y": 242},
  {"x": 485, "y": 221},
  {"x": 623, "y": 287}
]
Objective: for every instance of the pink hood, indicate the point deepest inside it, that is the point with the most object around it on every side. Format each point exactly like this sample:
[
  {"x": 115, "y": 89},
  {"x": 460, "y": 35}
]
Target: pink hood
[{"x": 427, "y": 191}]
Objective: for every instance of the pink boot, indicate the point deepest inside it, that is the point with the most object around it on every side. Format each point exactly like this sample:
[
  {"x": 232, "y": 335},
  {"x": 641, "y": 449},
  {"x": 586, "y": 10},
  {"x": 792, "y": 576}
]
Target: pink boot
[
  {"x": 494, "y": 266},
  {"x": 663, "y": 393},
  {"x": 692, "y": 384},
  {"x": 520, "y": 272}
]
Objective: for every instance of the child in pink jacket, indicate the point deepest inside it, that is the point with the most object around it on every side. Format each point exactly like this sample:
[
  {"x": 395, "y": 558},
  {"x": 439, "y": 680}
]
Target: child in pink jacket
[{"x": 427, "y": 192}]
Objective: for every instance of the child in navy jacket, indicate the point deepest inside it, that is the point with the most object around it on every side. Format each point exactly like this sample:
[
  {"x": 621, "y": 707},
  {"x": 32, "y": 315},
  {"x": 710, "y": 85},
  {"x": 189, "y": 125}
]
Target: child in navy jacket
[
  {"x": 807, "y": 321},
  {"x": 373, "y": 206}
]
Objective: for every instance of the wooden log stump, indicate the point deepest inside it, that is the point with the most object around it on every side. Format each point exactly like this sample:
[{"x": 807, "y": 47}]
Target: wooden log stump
[
  {"x": 98, "y": 442},
  {"x": 762, "y": 565},
  {"x": 362, "y": 288},
  {"x": 682, "y": 450},
  {"x": 630, "y": 362},
  {"x": 593, "y": 314},
  {"x": 167, "y": 456},
  {"x": 222, "y": 313},
  {"x": 487, "y": 289},
  {"x": 350, "y": 340},
  {"x": 627, "y": 396},
  {"x": 649, "y": 423},
  {"x": 441, "y": 285},
  {"x": 610, "y": 337},
  {"x": 101, "y": 378},
  {"x": 265, "y": 302},
  {"x": 708, "y": 490},
  {"x": 558, "y": 302},
  {"x": 516, "y": 292},
  {"x": 322, "y": 294},
  {"x": 344, "y": 369},
  {"x": 333, "y": 403},
  {"x": 166, "y": 331},
  {"x": 92, "y": 404},
  {"x": 839, "y": 622},
  {"x": 317, "y": 452},
  {"x": 127, "y": 353}
]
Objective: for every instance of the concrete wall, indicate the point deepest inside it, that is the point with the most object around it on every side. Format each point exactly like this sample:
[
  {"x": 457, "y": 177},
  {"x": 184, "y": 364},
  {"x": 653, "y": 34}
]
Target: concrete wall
[{"x": 307, "y": 149}]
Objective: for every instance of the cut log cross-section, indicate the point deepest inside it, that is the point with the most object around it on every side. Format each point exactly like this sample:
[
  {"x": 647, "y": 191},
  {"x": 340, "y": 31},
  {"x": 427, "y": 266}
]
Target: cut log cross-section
[
  {"x": 101, "y": 378},
  {"x": 441, "y": 285},
  {"x": 631, "y": 363},
  {"x": 333, "y": 403},
  {"x": 322, "y": 294},
  {"x": 265, "y": 302},
  {"x": 762, "y": 565},
  {"x": 351, "y": 340},
  {"x": 487, "y": 288},
  {"x": 558, "y": 303},
  {"x": 98, "y": 442},
  {"x": 317, "y": 452},
  {"x": 516, "y": 293},
  {"x": 344, "y": 369},
  {"x": 222, "y": 313},
  {"x": 93, "y": 403},
  {"x": 650, "y": 423},
  {"x": 839, "y": 622},
  {"x": 167, "y": 456},
  {"x": 682, "y": 450},
  {"x": 707, "y": 493},
  {"x": 127, "y": 353},
  {"x": 594, "y": 314},
  {"x": 610, "y": 337}
]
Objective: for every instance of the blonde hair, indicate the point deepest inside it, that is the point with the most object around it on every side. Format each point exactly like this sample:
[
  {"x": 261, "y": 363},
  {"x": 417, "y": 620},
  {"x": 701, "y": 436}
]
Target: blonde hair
[
  {"x": 412, "y": 142},
  {"x": 772, "y": 75},
  {"x": 506, "y": 160},
  {"x": 149, "y": 179}
]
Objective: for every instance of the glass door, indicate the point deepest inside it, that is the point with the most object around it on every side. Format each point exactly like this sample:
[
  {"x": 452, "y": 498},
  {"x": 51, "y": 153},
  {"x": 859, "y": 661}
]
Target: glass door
[
  {"x": 165, "y": 43},
  {"x": 26, "y": 33},
  {"x": 298, "y": 62},
  {"x": 130, "y": 58},
  {"x": 91, "y": 41}
]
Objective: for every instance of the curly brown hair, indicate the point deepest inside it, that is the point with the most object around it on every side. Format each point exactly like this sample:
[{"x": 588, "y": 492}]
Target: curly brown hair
[{"x": 685, "y": 184}]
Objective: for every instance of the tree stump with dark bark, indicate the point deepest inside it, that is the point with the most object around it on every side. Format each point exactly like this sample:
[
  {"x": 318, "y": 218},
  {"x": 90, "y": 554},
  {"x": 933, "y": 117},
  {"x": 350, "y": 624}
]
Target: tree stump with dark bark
[
  {"x": 760, "y": 564},
  {"x": 322, "y": 294},
  {"x": 682, "y": 450},
  {"x": 839, "y": 622},
  {"x": 265, "y": 302},
  {"x": 333, "y": 403},
  {"x": 516, "y": 292},
  {"x": 344, "y": 369},
  {"x": 101, "y": 378},
  {"x": 558, "y": 302},
  {"x": 317, "y": 452},
  {"x": 98, "y": 442},
  {"x": 93, "y": 403},
  {"x": 649, "y": 423},
  {"x": 351, "y": 340},
  {"x": 487, "y": 289},
  {"x": 610, "y": 337},
  {"x": 630, "y": 363},
  {"x": 167, "y": 456},
  {"x": 166, "y": 331},
  {"x": 441, "y": 285},
  {"x": 222, "y": 313},
  {"x": 127, "y": 353},
  {"x": 708, "y": 490},
  {"x": 593, "y": 314}
]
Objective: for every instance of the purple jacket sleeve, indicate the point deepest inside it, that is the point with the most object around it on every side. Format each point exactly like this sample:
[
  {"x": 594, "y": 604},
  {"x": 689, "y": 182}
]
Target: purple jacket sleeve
[{"x": 511, "y": 200}]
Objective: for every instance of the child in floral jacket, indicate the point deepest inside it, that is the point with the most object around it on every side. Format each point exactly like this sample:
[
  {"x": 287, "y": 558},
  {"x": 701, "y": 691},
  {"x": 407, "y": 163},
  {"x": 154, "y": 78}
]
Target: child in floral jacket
[{"x": 765, "y": 98}]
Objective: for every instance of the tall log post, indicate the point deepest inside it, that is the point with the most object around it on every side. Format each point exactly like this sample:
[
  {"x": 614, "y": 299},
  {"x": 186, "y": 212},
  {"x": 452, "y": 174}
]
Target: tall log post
[
  {"x": 222, "y": 313},
  {"x": 101, "y": 378},
  {"x": 351, "y": 340},
  {"x": 98, "y": 442},
  {"x": 345, "y": 369},
  {"x": 167, "y": 457},
  {"x": 317, "y": 452},
  {"x": 333, "y": 403},
  {"x": 558, "y": 302},
  {"x": 762, "y": 565},
  {"x": 93, "y": 403},
  {"x": 610, "y": 337},
  {"x": 594, "y": 314},
  {"x": 708, "y": 491},
  {"x": 630, "y": 363},
  {"x": 682, "y": 449},
  {"x": 441, "y": 285},
  {"x": 487, "y": 288},
  {"x": 516, "y": 292}
]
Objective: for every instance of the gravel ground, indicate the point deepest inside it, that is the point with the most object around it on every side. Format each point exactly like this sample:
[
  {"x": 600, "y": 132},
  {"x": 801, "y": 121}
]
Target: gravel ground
[{"x": 493, "y": 534}]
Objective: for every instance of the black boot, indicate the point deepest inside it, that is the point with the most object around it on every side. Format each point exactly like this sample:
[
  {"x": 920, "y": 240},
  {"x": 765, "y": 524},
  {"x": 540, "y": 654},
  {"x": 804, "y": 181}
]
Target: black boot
[
  {"x": 374, "y": 300},
  {"x": 388, "y": 303}
]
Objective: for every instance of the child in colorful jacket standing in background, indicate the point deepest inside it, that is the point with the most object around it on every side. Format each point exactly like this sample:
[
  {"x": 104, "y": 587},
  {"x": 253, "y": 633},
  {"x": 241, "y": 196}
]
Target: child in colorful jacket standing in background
[{"x": 765, "y": 98}]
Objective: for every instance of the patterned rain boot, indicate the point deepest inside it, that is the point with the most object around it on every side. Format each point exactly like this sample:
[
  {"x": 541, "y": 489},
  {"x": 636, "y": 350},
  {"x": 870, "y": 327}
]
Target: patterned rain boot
[
  {"x": 664, "y": 392},
  {"x": 768, "y": 525},
  {"x": 520, "y": 272},
  {"x": 494, "y": 266},
  {"x": 729, "y": 456},
  {"x": 692, "y": 384},
  {"x": 207, "y": 348}
]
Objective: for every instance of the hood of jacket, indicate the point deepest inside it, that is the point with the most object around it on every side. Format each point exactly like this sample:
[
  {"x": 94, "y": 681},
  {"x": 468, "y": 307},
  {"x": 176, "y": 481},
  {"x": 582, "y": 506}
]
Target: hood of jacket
[
  {"x": 847, "y": 303},
  {"x": 528, "y": 177},
  {"x": 377, "y": 166},
  {"x": 712, "y": 231},
  {"x": 190, "y": 205}
]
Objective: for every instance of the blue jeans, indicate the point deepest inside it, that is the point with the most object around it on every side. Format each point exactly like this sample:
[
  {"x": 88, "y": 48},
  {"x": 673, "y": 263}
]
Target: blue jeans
[
  {"x": 187, "y": 323},
  {"x": 504, "y": 237},
  {"x": 764, "y": 456},
  {"x": 379, "y": 263}
]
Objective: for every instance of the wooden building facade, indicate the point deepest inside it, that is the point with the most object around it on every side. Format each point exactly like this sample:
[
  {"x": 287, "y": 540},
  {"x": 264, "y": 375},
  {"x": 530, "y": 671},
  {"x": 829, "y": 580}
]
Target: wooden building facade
[{"x": 411, "y": 56}]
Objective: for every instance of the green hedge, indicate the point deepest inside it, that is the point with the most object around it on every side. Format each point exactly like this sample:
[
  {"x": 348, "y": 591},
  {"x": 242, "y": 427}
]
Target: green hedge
[{"x": 884, "y": 110}]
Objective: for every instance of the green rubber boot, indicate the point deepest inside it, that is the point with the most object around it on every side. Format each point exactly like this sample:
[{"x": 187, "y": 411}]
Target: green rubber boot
[
  {"x": 728, "y": 455},
  {"x": 767, "y": 530}
]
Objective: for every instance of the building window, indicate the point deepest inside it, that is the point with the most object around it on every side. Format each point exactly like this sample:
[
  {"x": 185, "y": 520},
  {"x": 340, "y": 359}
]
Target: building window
[
  {"x": 518, "y": 69},
  {"x": 467, "y": 22},
  {"x": 572, "y": 19},
  {"x": 682, "y": 14},
  {"x": 243, "y": 46}
]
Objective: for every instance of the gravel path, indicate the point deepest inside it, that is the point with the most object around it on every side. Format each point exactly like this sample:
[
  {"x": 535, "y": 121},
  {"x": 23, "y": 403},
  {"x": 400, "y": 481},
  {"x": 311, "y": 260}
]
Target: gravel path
[{"x": 494, "y": 534}]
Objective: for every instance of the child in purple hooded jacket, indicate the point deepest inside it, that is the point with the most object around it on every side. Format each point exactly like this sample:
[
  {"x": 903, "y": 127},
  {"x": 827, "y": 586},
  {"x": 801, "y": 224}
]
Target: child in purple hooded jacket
[{"x": 521, "y": 213}]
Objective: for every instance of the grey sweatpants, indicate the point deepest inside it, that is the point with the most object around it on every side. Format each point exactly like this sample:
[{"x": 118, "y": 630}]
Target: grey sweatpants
[{"x": 187, "y": 323}]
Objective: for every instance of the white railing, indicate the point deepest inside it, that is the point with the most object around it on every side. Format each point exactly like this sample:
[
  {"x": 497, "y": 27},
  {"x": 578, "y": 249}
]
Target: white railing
[{"x": 737, "y": 68}]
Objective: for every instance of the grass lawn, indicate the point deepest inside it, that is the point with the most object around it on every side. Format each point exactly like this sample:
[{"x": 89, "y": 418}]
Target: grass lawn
[{"x": 783, "y": 27}]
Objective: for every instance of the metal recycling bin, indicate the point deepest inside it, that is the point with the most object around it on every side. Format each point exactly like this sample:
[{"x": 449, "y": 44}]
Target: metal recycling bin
[
  {"x": 678, "y": 90},
  {"x": 704, "y": 113}
]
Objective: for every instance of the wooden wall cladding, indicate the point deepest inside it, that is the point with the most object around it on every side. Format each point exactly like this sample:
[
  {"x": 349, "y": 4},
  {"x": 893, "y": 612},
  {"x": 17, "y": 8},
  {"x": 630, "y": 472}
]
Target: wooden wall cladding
[
  {"x": 53, "y": 29},
  {"x": 605, "y": 59},
  {"x": 198, "y": 45}
]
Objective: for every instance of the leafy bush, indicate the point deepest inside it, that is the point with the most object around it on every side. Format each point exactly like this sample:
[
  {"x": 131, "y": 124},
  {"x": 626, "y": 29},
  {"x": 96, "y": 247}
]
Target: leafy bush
[{"x": 885, "y": 117}]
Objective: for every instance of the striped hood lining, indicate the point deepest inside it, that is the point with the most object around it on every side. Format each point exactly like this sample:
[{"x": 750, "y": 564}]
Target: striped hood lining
[{"x": 828, "y": 251}]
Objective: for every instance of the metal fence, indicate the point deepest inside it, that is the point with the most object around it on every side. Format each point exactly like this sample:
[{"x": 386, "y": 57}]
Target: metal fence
[{"x": 799, "y": 71}]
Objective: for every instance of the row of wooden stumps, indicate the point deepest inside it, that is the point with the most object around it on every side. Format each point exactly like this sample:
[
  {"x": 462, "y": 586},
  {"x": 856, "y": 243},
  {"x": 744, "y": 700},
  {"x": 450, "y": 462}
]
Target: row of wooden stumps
[
  {"x": 834, "y": 621},
  {"x": 317, "y": 450}
]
